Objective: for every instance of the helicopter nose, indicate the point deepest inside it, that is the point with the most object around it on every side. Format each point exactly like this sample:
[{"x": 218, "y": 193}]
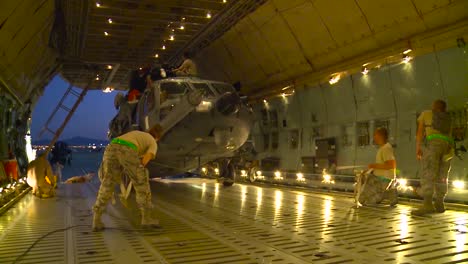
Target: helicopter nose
[{"x": 228, "y": 104}]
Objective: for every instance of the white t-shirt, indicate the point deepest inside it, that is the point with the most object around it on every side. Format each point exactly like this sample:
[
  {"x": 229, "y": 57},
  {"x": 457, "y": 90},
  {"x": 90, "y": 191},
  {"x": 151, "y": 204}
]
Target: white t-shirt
[
  {"x": 385, "y": 153},
  {"x": 142, "y": 140}
]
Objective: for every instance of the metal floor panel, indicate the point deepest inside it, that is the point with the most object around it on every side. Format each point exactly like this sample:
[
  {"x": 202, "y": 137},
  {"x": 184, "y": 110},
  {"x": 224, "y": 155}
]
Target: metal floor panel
[{"x": 204, "y": 222}]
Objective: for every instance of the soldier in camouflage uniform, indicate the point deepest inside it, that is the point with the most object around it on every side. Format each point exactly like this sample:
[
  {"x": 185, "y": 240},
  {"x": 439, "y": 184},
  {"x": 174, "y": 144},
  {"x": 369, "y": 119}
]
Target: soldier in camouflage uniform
[
  {"x": 436, "y": 155},
  {"x": 129, "y": 154}
]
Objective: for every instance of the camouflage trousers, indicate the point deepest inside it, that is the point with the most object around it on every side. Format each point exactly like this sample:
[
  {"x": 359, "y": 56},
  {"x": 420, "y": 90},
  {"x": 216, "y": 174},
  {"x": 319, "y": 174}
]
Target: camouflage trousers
[
  {"x": 434, "y": 177},
  {"x": 121, "y": 160},
  {"x": 374, "y": 191}
]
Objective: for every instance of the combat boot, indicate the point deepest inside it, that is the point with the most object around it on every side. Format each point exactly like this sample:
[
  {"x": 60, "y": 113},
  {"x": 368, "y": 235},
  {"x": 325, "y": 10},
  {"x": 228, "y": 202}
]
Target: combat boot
[
  {"x": 439, "y": 205},
  {"x": 97, "y": 222},
  {"x": 426, "y": 208},
  {"x": 147, "y": 221},
  {"x": 393, "y": 197}
]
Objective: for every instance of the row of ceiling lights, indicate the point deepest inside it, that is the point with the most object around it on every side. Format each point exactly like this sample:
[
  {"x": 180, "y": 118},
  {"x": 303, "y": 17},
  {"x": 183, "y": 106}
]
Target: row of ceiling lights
[
  {"x": 365, "y": 70},
  {"x": 335, "y": 78},
  {"x": 171, "y": 36},
  {"x": 172, "y": 33}
]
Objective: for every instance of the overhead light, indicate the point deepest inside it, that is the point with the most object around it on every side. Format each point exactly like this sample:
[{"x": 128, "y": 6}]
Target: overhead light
[
  {"x": 164, "y": 47},
  {"x": 407, "y": 51},
  {"x": 182, "y": 27},
  {"x": 98, "y": 4},
  {"x": 109, "y": 20},
  {"x": 109, "y": 67},
  {"x": 334, "y": 79},
  {"x": 224, "y": 1},
  {"x": 171, "y": 38},
  {"x": 265, "y": 101},
  {"x": 105, "y": 33},
  {"x": 285, "y": 88},
  {"x": 156, "y": 55},
  {"x": 97, "y": 78},
  {"x": 208, "y": 15},
  {"x": 140, "y": 68},
  {"x": 283, "y": 94},
  {"x": 406, "y": 59},
  {"x": 365, "y": 71},
  {"x": 183, "y": 18}
]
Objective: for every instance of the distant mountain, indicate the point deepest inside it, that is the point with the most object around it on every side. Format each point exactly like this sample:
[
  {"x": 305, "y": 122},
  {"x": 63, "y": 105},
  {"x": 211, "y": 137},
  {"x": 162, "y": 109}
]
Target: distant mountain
[{"x": 75, "y": 141}]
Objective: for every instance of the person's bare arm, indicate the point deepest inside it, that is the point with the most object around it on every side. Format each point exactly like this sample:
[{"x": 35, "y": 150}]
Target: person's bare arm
[
  {"x": 419, "y": 137},
  {"x": 388, "y": 165},
  {"x": 182, "y": 67},
  {"x": 146, "y": 158}
]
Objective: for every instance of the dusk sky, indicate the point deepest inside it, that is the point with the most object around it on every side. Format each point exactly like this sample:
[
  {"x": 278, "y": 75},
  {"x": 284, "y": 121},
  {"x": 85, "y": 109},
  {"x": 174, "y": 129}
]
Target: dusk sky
[{"x": 90, "y": 120}]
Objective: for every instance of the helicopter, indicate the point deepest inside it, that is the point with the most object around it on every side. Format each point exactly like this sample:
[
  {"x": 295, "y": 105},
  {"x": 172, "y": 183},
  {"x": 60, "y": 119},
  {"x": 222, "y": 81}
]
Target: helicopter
[{"x": 203, "y": 121}]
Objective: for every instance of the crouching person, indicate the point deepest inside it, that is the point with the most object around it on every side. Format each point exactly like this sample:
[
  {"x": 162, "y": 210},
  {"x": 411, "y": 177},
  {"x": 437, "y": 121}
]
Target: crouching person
[
  {"x": 41, "y": 178},
  {"x": 128, "y": 154},
  {"x": 379, "y": 184}
]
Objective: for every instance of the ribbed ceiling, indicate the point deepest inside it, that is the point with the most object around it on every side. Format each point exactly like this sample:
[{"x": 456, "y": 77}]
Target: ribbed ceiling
[
  {"x": 283, "y": 41},
  {"x": 133, "y": 33}
]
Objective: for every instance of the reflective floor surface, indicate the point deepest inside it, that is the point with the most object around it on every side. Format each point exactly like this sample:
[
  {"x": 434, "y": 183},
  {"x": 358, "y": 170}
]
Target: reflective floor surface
[{"x": 204, "y": 222}]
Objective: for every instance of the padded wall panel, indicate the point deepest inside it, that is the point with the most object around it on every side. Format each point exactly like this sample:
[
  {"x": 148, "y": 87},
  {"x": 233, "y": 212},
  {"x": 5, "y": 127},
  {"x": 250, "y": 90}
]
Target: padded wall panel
[{"x": 25, "y": 57}]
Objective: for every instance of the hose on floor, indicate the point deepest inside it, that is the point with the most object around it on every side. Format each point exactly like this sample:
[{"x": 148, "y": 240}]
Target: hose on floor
[
  {"x": 20, "y": 257},
  {"x": 39, "y": 239}
]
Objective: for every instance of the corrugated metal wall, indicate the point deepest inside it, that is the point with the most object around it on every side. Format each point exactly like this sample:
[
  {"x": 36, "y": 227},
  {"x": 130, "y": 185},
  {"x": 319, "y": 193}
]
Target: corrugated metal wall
[{"x": 395, "y": 93}]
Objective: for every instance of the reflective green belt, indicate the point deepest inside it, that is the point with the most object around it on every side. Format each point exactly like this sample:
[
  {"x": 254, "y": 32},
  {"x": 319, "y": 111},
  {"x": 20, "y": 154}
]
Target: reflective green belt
[
  {"x": 382, "y": 178},
  {"x": 439, "y": 136},
  {"x": 124, "y": 143}
]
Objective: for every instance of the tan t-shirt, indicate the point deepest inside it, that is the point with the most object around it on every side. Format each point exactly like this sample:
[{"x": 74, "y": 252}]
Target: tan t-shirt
[
  {"x": 426, "y": 118},
  {"x": 384, "y": 154},
  {"x": 142, "y": 140},
  {"x": 189, "y": 67}
]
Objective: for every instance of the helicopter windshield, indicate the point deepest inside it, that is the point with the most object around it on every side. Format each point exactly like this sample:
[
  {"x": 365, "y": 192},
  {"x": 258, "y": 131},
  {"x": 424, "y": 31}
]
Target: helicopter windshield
[
  {"x": 206, "y": 90},
  {"x": 223, "y": 88},
  {"x": 174, "y": 88}
]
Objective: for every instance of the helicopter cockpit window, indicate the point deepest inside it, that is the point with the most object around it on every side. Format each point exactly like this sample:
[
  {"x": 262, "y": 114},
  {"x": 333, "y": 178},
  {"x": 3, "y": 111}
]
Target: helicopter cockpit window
[
  {"x": 222, "y": 88},
  {"x": 204, "y": 88},
  {"x": 174, "y": 88}
]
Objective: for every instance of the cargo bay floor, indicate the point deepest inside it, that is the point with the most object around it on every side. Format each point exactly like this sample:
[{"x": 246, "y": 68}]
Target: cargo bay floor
[{"x": 204, "y": 222}]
